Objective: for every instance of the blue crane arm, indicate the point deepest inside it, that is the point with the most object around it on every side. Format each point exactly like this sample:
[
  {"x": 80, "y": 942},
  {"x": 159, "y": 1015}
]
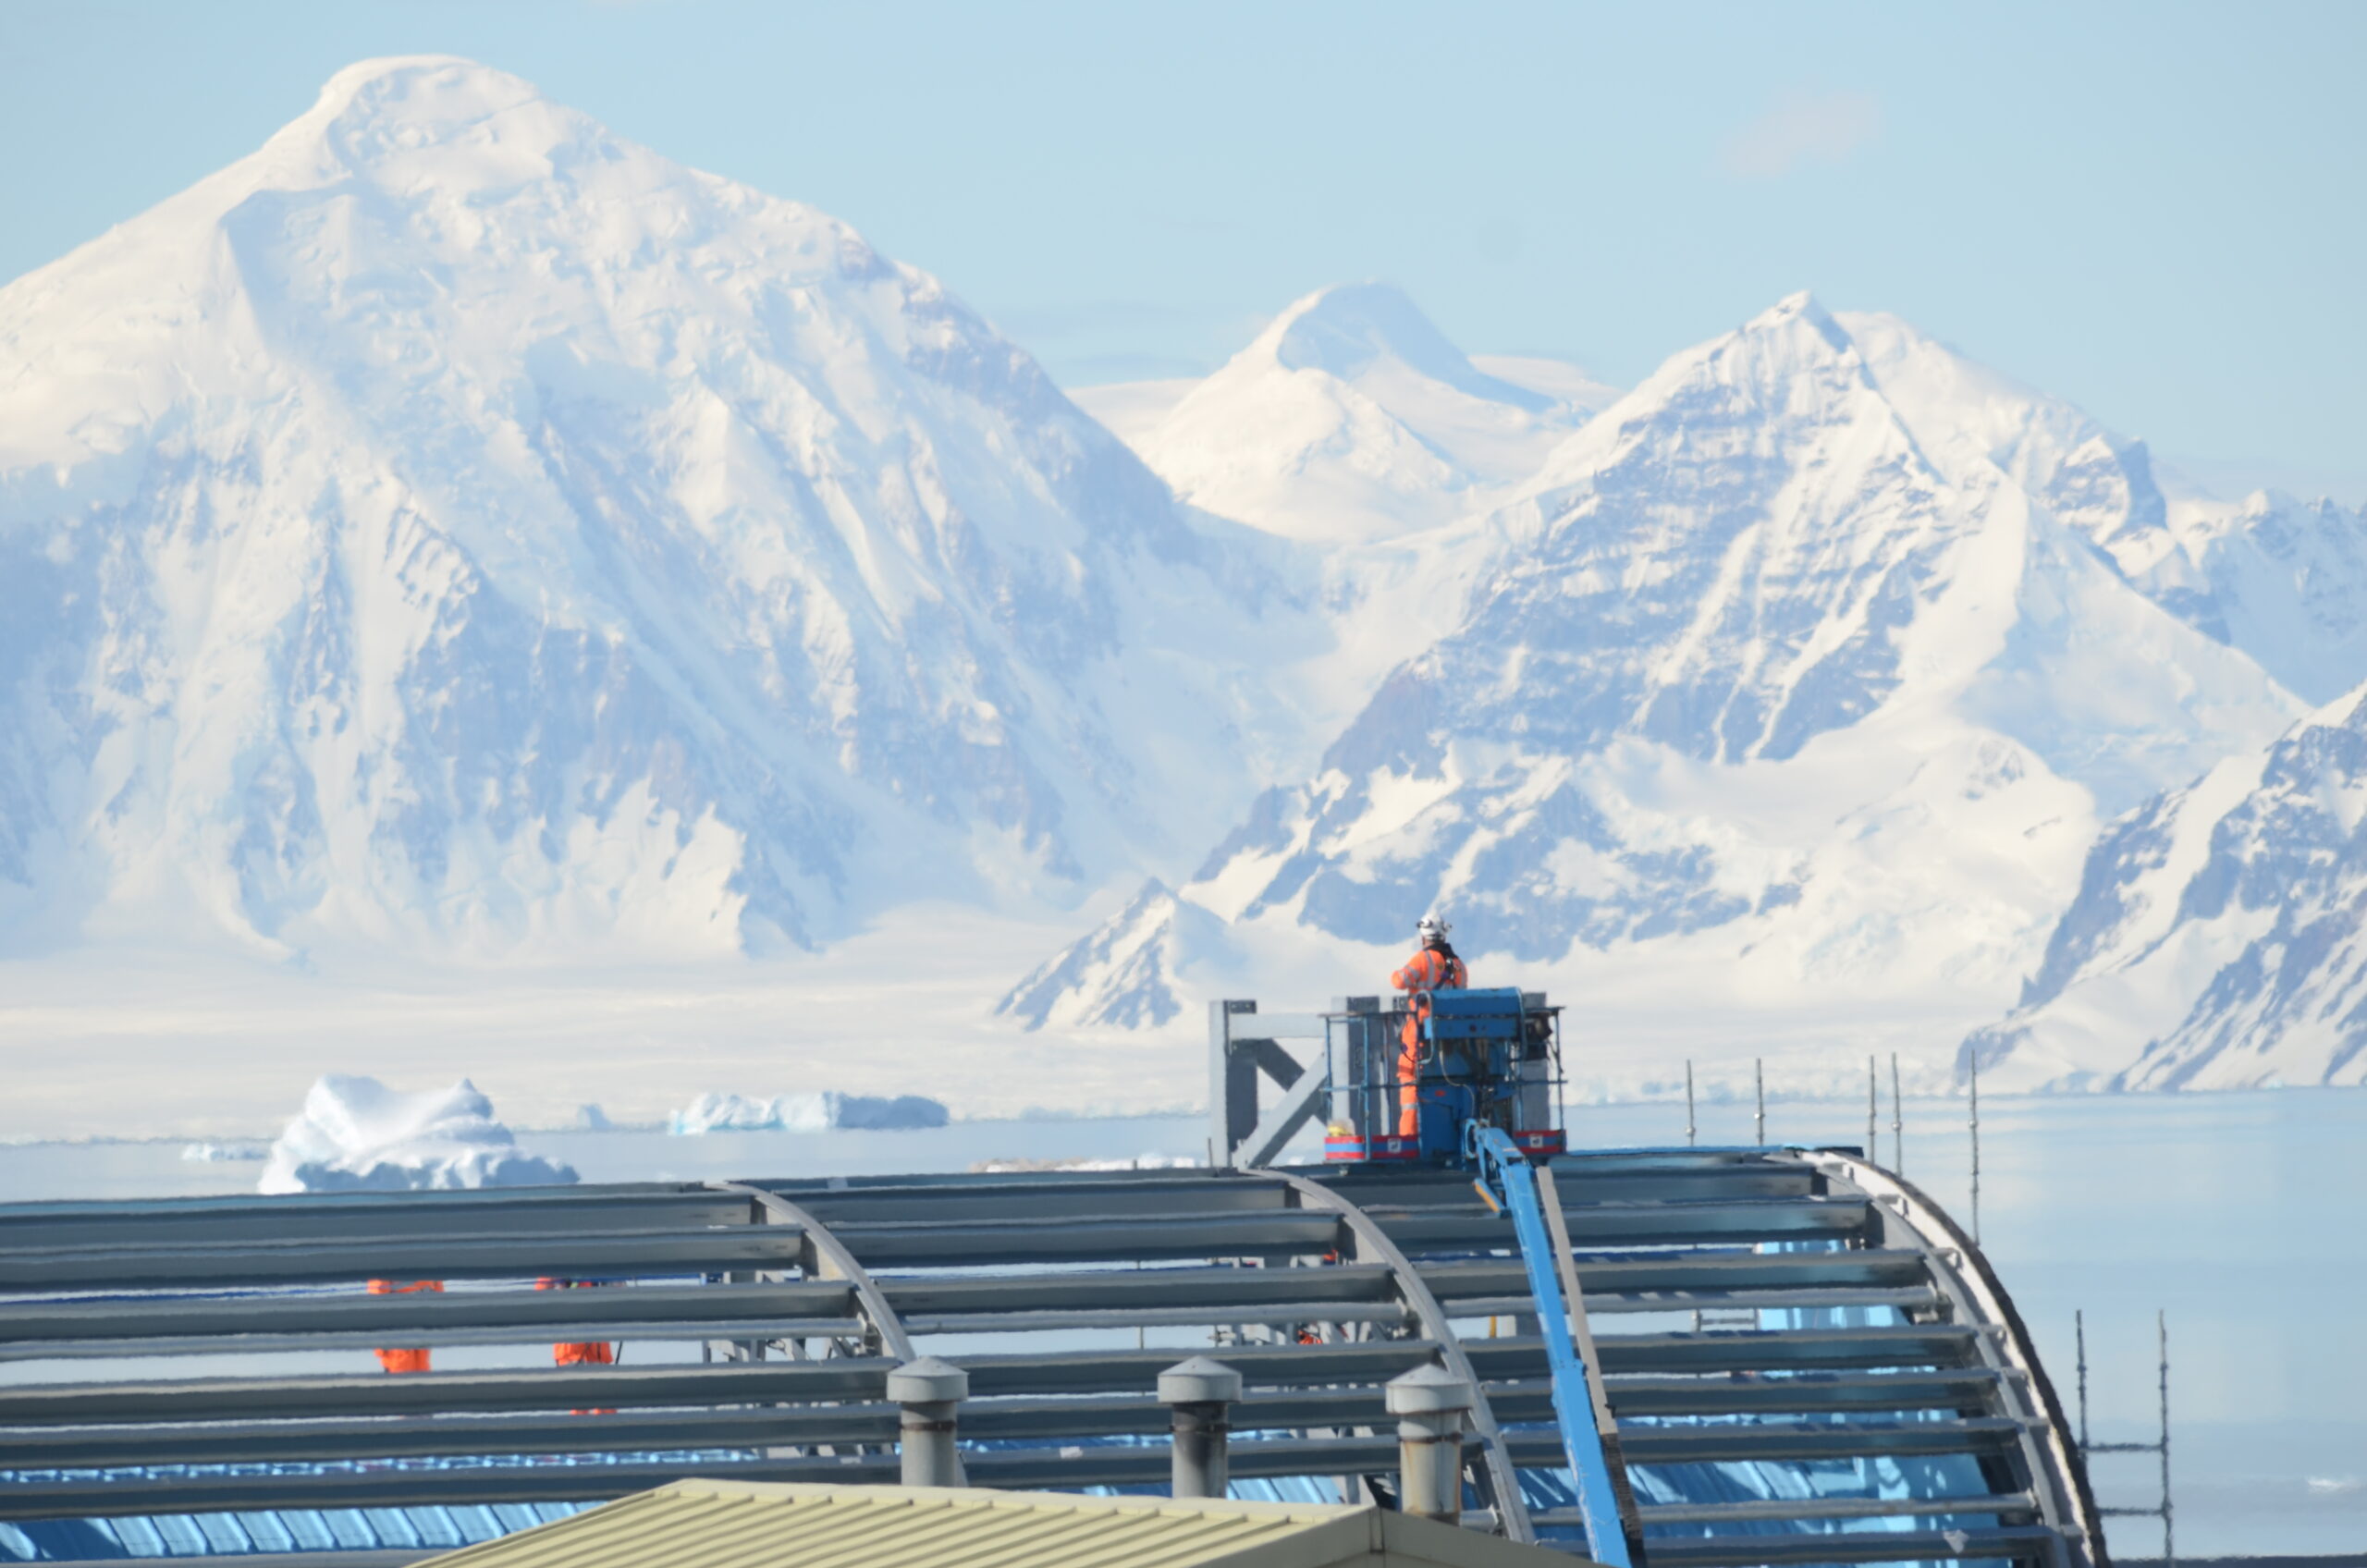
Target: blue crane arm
[{"x": 1505, "y": 1178}]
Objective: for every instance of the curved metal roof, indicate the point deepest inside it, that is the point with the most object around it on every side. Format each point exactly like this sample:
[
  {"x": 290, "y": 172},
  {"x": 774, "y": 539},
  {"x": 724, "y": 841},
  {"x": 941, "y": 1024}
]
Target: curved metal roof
[{"x": 1806, "y": 1361}]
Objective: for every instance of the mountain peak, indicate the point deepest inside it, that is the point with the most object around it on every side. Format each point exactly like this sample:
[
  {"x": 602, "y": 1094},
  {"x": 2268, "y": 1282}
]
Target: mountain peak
[
  {"x": 382, "y": 114},
  {"x": 1343, "y": 329},
  {"x": 1801, "y": 308}
]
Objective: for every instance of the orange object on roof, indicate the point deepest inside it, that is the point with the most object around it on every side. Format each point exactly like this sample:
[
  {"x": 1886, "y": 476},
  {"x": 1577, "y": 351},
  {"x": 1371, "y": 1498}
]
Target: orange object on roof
[
  {"x": 587, "y": 1353},
  {"x": 413, "y": 1358}
]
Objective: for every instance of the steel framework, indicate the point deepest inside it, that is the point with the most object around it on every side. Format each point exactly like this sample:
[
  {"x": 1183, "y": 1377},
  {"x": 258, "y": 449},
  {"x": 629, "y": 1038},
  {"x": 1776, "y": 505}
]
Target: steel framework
[{"x": 1882, "y": 1340}]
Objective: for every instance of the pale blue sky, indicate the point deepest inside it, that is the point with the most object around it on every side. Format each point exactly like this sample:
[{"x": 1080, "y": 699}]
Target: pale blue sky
[{"x": 2158, "y": 211}]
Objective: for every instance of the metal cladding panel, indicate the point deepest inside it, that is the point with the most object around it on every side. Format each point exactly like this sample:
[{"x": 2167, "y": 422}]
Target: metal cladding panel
[
  {"x": 706, "y": 1523},
  {"x": 726, "y": 1525}
]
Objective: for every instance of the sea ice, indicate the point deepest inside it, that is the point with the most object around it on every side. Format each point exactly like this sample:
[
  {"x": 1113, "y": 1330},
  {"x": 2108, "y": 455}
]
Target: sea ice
[
  {"x": 806, "y": 1113},
  {"x": 356, "y": 1134}
]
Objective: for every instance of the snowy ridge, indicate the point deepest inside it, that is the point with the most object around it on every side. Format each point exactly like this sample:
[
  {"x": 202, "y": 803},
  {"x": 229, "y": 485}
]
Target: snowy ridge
[
  {"x": 1351, "y": 419},
  {"x": 2219, "y": 938},
  {"x": 456, "y": 528},
  {"x": 1800, "y": 677},
  {"x": 1122, "y": 975}
]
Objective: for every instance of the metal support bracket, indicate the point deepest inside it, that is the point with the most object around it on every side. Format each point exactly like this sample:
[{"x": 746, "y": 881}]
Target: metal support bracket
[{"x": 1244, "y": 1049}]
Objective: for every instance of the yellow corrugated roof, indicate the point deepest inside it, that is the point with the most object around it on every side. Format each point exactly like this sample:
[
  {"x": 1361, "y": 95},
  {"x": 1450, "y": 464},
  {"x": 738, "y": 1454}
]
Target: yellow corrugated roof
[{"x": 705, "y": 1523}]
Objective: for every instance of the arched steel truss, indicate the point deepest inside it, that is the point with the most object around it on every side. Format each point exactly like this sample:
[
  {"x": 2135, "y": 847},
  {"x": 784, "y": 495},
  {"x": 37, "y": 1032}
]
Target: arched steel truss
[
  {"x": 1498, "y": 1481},
  {"x": 829, "y": 1259},
  {"x": 1868, "y": 1329}
]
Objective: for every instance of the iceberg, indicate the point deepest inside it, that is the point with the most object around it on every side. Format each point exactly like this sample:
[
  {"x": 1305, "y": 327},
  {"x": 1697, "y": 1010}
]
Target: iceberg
[
  {"x": 216, "y": 1152},
  {"x": 355, "y": 1134},
  {"x": 806, "y": 1113}
]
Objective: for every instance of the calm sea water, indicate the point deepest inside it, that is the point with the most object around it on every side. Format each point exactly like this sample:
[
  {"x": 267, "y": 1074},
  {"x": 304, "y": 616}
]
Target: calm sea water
[{"x": 2242, "y": 1217}]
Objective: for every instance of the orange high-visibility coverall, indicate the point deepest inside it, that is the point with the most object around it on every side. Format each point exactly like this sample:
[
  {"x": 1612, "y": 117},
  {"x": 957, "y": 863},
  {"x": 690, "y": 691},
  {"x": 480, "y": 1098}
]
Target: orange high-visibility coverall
[
  {"x": 596, "y": 1353},
  {"x": 413, "y": 1359},
  {"x": 586, "y": 1352},
  {"x": 1429, "y": 970}
]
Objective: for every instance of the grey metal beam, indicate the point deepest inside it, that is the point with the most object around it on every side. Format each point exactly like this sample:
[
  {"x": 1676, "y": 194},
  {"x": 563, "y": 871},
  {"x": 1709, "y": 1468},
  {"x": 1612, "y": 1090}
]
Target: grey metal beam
[
  {"x": 2015, "y": 1544},
  {"x": 1117, "y": 1289},
  {"x": 1738, "y": 1269},
  {"x": 1200, "y": 1192},
  {"x": 1969, "y": 1389},
  {"x": 840, "y": 1425},
  {"x": 1813, "y": 1440},
  {"x": 25, "y": 1324},
  {"x": 1789, "y": 1508},
  {"x": 1922, "y": 1296},
  {"x": 1642, "y": 1224},
  {"x": 1281, "y": 1232},
  {"x": 1937, "y": 1344},
  {"x": 629, "y": 1254},
  {"x": 1281, "y": 1123},
  {"x": 626, "y": 1387},
  {"x": 537, "y": 1211},
  {"x": 437, "y": 1336}
]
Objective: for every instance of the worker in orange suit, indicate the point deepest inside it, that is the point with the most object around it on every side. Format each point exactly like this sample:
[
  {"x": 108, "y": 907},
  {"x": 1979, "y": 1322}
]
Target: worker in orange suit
[
  {"x": 596, "y": 1352},
  {"x": 414, "y": 1358},
  {"x": 1433, "y": 968},
  {"x": 587, "y": 1353}
]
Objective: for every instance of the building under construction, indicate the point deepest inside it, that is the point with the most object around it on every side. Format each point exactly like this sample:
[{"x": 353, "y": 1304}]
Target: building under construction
[{"x": 1676, "y": 1358}]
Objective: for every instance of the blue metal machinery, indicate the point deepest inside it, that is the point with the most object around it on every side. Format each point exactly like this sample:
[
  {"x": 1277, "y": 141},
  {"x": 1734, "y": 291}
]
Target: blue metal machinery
[
  {"x": 1487, "y": 1057},
  {"x": 1486, "y": 1064},
  {"x": 1505, "y": 1178}
]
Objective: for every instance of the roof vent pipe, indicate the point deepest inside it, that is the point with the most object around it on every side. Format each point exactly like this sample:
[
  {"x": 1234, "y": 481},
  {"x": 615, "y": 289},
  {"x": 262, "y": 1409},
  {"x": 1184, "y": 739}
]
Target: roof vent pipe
[
  {"x": 930, "y": 1391},
  {"x": 1199, "y": 1394},
  {"x": 1429, "y": 1403}
]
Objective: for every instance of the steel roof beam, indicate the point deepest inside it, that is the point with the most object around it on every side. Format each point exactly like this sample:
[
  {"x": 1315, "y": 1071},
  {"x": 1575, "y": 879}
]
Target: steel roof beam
[
  {"x": 627, "y": 1253},
  {"x": 26, "y": 1323},
  {"x": 1968, "y": 1388},
  {"x": 428, "y": 1393},
  {"x": 2014, "y": 1544},
  {"x": 318, "y": 1217}
]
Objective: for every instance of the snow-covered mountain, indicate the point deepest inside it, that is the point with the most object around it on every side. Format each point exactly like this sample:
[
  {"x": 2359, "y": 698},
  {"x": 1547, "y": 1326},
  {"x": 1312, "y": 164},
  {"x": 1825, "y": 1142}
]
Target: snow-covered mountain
[
  {"x": 1805, "y": 669},
  {"x": 1352, "y": 419},
  {"x": 2219, "y": 938},
  {"x": 456, "y": 528}
]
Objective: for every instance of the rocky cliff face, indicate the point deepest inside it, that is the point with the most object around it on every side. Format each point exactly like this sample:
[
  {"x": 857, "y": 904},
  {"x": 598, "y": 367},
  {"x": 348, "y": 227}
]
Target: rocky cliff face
[{"x": 456, "y": 527}]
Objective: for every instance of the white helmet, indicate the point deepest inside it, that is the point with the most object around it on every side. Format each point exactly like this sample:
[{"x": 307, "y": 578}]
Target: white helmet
[{"x": 1430, "y": 928}]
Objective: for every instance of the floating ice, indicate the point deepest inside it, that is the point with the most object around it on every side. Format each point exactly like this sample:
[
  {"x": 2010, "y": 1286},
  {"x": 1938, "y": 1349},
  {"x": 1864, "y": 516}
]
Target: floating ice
[
  {"x": 211, "y": 1152},
  {"x": 806, "y": 1113},
  {"x": 357, "y": 1134},
  {"x": 592, "y": 1119}
]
